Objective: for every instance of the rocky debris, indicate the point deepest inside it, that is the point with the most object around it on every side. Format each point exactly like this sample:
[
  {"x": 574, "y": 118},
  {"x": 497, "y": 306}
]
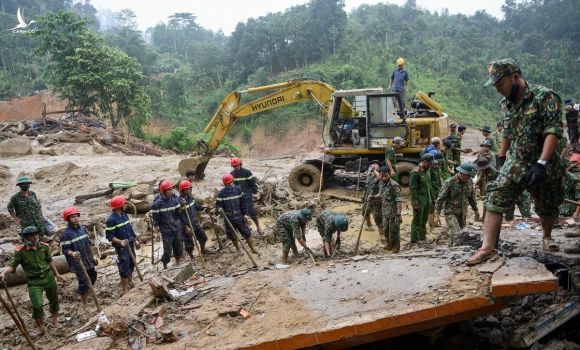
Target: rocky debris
[
  {"x": 56, "y": 170},
  {"x": 17, "y": 146},
  {"x": 4, "y": 172},
  {"x": 70, "y": 130}
]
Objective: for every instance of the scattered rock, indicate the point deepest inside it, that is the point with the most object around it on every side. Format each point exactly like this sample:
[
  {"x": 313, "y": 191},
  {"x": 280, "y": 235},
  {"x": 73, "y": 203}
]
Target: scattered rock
[
  {"x": 17, "y": 146},
  {"x": 492, "y": 320},
  {"x": 49, "y": 151},
  {"x": 4, "y": 172},
  {"x": 55, "y": 170}
]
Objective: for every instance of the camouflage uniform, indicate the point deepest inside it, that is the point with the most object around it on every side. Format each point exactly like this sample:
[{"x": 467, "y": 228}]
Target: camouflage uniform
[
  {"x": 390, "y": 195},
  {"x": 454, "y": 198},
  {"x": 485, "y": 177},
  {"x": 571, "y": 187},
  {"x": 28, "y": 210},
  {"x": 456, "y": 150},
  {"x": 372, "y": 188},
  {"x": 289, "y": 228},
  {"x": 488, "y": 155},
  {"x": 496, "y": 134},
  {"x": 420, "y": 188},
  {"x": 325, "y": 223},
  {"x": 524, "y": 203},
  {"x": 444, "y": 168},
  {"x": 526, "y": 126},
  {"x": 493, "y": 143},
  {"x": 436, "y": 184}
]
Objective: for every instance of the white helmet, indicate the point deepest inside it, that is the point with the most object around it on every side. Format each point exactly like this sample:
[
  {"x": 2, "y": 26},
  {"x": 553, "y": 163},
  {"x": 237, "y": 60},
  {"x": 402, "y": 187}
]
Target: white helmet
[
  {"x": 435, "y": 140},
  {"x": 399, "y": 140}
]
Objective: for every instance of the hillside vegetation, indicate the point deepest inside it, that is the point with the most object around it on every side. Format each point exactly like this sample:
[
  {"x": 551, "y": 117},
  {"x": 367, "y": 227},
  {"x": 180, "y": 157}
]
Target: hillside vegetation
[{"x": 185, "y": 70}]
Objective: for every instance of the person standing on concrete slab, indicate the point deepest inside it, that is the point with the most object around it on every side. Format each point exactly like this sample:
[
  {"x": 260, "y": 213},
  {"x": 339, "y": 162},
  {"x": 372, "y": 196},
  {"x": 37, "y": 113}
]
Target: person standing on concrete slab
[
  {"x": 291, "y": 227},
  {"x": 121, "y": 235},
  {"x": 329, "y": 222},
  {"x": 529, "y": 155},
  {"x": 36, "y": 260},
  {"x": 76, "y": 247},
  {"x": 247, "y": 182},
  {"x": 24, "y": 207},
  {"x": 391, "y": 209},
  {"x": 420, "y": 188},
  {"x": 456, "y": 193}
]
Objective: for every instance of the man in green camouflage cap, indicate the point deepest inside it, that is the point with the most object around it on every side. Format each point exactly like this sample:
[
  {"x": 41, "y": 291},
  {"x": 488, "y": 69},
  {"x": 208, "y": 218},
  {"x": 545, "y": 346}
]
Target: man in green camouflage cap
[
  {"x": 392, "y": 206},
  {"x": 25, "y": 208},
  {"x": 291, "y": 226},
  {"x": 328, "y": 222},
  {"x": 456, "y": 193},
  {"x": 421, "y": 197},
  {"x": 486, "y": 151},
  {"x": 529, "y": 155},
  {"x": 372, "y": 188}
]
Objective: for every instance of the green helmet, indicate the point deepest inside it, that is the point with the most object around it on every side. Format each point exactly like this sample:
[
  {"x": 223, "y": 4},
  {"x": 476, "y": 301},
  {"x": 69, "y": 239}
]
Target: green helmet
[
  {"x": 306, "y": 214},
  {"x": 341, "y": 222},
  {"x": 23, "y": 180},
  {"x": 29, "y": 230},
  {"x": 467, "y": 169}
]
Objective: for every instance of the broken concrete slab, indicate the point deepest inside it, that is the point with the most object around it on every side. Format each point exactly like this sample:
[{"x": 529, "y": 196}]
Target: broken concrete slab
[
  {"x": 55, "y": 170},
  {"x": 103, "y": 343},
  {"x": 521, "y": 276},
  {"x": 17, "y": 146}
]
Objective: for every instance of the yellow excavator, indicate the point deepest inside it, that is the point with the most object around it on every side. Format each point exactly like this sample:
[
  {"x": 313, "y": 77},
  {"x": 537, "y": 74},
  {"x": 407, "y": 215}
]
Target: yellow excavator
[{"x": 358, "y": 124}]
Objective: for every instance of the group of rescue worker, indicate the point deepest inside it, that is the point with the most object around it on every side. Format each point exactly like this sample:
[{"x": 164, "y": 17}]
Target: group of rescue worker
[{"x": 511, "y": 168}]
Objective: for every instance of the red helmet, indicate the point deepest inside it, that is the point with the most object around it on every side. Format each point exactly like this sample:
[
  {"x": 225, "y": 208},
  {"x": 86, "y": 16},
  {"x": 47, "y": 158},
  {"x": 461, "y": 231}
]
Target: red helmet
[
  {"x": 165, "y": 185},
  {"x": 68, "y": 212},
  {"x": 235, "y": 161},
  {"x": 117, "y": 202},
  {"x": 184, "y": 185},
  {"x": 228, "y": 179}
]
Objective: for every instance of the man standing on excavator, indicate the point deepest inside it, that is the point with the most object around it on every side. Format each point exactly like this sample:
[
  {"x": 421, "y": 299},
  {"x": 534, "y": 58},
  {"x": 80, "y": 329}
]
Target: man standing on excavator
[{"x": 399, "y": 79}]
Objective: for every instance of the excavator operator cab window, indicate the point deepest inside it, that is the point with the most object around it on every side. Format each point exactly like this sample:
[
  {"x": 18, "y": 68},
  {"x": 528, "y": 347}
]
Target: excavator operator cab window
[{"x": 385, "y": 119}]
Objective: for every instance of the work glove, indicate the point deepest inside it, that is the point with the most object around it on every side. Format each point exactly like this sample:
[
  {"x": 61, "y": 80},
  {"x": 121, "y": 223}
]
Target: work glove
[
  {"x": 536, "y": 175},
  {"x": 499, "y": 161}
]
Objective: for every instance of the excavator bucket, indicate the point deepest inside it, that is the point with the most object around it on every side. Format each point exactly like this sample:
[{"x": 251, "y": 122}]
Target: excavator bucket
[{"x": 192, "y": 163}]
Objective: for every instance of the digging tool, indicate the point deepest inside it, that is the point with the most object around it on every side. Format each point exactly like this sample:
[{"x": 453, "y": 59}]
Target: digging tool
[
  {"x": 195, "y": 241},
  {"x": 85, "y": 273},
  {"x": 152, "y": 238},
  {"x": 16, "y": 317},
  {"x": 358, "y": 176},
  {"x": 134, "y": 262},
  {"x": 236, "y": 233},
  {"x": 309, "y": 251},
  {"x": 321, "y": 175},
  {"x": 569, "y": 201},
  {"x": 366, "y": 205},
  {"x": 97, "y": 241}
]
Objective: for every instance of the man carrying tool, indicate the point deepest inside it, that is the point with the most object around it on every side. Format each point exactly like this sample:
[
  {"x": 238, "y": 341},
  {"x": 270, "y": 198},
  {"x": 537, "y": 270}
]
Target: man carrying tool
[
  {"x": 166, "y": 218},
  {"x": 456, "y": 193},
  {"x": 76, "y": 247},
  {"x": 230, "y": 200},
  {"x": 291, "y": 226},
  {"x": 391, "y": 208},
  {"x": 328, "y": 222},
  {"x": 40, "y": 270},
  {"x": 372, "y": 206},
  {"x": 188, "y": 211},
  {"x": 247, "y": 183},
  {"x": 25, "y": 208},
  {"x": 391, "y": 154},
  {"x": 529, "y": 154},
  {"x": 120, "y": 233},
  {"x": 421, "y": 197}
]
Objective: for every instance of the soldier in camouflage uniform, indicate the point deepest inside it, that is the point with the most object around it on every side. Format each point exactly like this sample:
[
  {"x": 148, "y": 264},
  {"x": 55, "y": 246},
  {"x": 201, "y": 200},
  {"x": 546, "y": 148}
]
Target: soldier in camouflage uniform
[
  {"x": 421, "y": 197},
  {"x": 524, "y": 203},
  {"x": 25, "y": 208},
  {"x": 291, "y": 226},
  {"x": 456, "y": 193},
  {"x": 446, "y": 167},
  {"x": 392, "y": 206},
  {"x": 391, "y": 154},
  {"x": 571, "y": 186},
  {"x": 530, "y": 154},
  {"x": 486, "y": 151},
  {"x": 497, "y": 135},
  {"x": 487, "y": 135},
  {"x": 436, "y": 183},
  {"x": 371, "y": 189},
  {"x": 486, "y": 173},
  {"x": 455, "y": 144},
  {"x": 329, "y": 222}
]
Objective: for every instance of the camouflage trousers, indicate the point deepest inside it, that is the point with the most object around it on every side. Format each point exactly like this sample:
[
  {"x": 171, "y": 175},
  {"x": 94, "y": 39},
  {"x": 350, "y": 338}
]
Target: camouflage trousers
[
  {"x": 392, "y": 231},
  {"x": 375, "y": 208},
  {"x": 567, "y": 210},
  {"x": 524, "y": 203},
  {"x": 455, "y": 222},
  {"x": 285, "y": 235}
]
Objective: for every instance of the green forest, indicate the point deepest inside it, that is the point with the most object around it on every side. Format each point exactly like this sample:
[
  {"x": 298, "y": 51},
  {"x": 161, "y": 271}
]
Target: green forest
[{"x": 179, "y": 71}]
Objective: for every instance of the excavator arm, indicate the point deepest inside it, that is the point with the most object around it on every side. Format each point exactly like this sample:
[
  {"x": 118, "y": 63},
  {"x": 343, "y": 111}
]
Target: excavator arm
[{"x": 230, "y": 110}]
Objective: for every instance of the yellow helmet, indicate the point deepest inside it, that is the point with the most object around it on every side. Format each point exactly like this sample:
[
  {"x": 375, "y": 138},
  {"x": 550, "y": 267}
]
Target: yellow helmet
[{"x": 400, "y": 61}]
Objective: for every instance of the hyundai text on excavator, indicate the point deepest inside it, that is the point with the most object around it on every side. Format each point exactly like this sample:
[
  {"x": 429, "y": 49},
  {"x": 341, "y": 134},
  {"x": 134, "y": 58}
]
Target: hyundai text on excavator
[{"x": 358, "y": 124}]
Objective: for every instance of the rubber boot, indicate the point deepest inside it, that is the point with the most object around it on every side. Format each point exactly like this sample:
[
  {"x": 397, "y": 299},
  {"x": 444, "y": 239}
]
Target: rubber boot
[
  {"x": 285, "y": 256},
  {"x": 251, "y": 245},
  {"x": 202, "y": 247},
  {"x": 235, "y": 242},
  {"x": 190, "y": 253},
  {"x": 368, "y": 221}
]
